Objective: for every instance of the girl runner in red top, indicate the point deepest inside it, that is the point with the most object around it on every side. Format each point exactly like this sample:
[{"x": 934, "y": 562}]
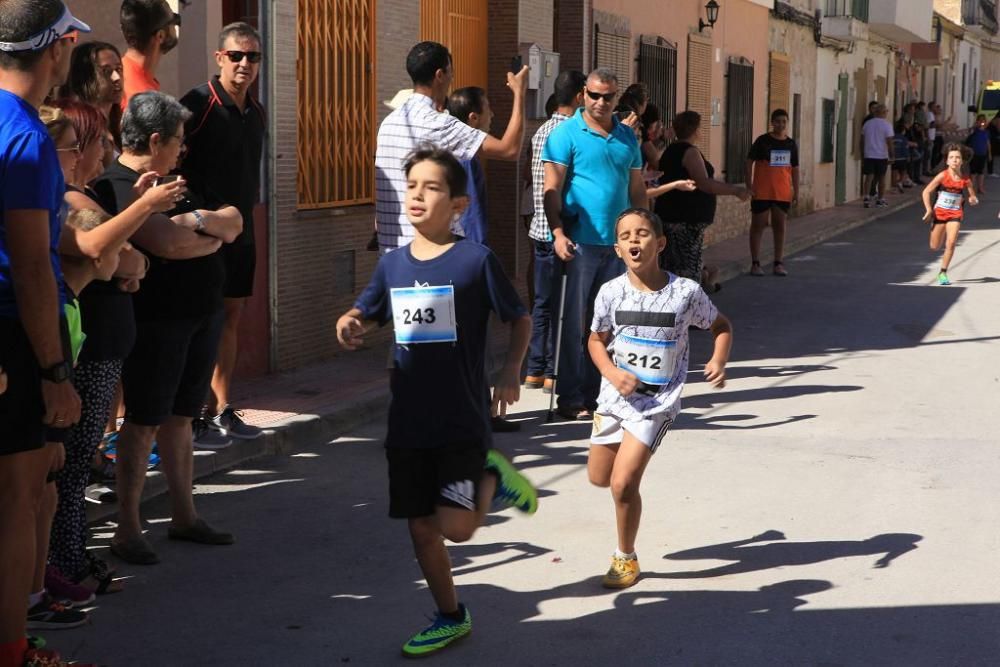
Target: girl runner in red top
[{"x": 946, "y": 216}]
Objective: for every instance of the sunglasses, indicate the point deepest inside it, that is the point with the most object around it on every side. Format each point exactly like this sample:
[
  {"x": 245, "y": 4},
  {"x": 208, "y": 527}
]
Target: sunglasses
[
  {"x": 238, "y": 56},
  {"x": 72, "y": 37},
  {"x": 72, "y": 148},
  {"x": 608, "y": 97}
]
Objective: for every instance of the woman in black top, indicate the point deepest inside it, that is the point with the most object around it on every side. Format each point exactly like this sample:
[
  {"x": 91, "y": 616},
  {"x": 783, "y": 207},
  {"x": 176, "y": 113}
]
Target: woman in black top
[
  {"x": 107, "y": 321},
  {"x": 686, "y": 215}
]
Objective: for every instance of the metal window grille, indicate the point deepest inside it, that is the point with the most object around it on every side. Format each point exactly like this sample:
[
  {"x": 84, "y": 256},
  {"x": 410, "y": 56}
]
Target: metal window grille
[
  {"x": 826, "y": 149},
  {"x": 612, "y": 51},
  {"x": 462, "y": 26},
  {"x": 336, "y": 102},
  {"x": 739, "y": 119},
  {"x": 658, "y": 70}
]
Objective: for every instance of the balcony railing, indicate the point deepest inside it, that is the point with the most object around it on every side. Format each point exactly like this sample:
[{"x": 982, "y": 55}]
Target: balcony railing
[{"x": 856, "y": 9}]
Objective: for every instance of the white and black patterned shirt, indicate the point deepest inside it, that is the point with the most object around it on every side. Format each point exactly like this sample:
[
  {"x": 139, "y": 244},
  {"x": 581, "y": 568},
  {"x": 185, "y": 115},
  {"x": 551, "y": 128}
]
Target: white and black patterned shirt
[
  {"x": 416, "y": 122},
  {"x": 681, "y": 303},
  {"x": 540, "y": 230}
]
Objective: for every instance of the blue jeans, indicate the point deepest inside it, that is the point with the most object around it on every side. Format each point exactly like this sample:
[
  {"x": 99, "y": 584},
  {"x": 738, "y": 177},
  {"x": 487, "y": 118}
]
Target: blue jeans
[
  {"x": 579, "y": 382},
  {"x": 543, "y": 335}
]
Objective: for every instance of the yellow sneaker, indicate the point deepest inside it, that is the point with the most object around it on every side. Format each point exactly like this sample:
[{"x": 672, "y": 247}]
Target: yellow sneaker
[{"x": 622, "y": 573}]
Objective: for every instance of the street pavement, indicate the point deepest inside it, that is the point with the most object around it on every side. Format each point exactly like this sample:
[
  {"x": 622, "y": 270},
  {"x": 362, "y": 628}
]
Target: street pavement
[{"x": 834, "y": 504}]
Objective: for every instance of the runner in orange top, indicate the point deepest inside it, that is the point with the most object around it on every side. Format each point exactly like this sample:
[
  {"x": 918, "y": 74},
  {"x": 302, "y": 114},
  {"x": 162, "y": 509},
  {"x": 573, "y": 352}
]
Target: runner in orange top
[
  {"x": 946, "y": 216},
  {"x": 773, "y": 170}
]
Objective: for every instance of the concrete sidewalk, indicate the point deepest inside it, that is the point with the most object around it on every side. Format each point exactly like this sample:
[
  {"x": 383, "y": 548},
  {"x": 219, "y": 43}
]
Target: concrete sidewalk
[{"x": 323, "y": 401}]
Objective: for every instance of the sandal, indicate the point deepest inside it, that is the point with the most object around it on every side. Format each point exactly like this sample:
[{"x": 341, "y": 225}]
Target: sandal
[
  {"x": 779, "y": 269},
  {"x": 755, "y": 269}
]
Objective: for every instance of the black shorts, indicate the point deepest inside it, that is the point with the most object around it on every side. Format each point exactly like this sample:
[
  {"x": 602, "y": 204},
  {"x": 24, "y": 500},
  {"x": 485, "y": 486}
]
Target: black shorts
[
  {"x": 21, "y": 406},
  {"x": 978, "y": 164},
  {"x": 874, "y": 166},
  {"x": 170, "y": 368},
  {"x": 763, "y": 205},
  {"x": 240, "y": 260},
  {"x": 420, "y": 480},
  {"x": 900, "y": 165}
]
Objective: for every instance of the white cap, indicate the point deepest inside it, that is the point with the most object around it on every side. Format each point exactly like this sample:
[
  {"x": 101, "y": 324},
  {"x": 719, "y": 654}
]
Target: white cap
[
  {"x": 399, "y": 99},
  {"x": 66, "y": 24}
]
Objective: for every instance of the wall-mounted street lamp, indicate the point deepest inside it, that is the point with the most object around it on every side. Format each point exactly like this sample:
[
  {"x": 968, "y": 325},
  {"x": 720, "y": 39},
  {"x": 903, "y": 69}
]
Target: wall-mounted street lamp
[{"x": 712, "y": 11}]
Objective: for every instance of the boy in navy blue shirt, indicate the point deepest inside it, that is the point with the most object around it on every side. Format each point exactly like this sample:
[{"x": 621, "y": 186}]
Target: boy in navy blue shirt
[{"x": 438, "y": 291}]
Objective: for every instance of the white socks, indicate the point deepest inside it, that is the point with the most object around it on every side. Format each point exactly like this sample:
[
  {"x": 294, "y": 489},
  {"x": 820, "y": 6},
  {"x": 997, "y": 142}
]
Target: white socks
[{"x": 620, "y": 554}]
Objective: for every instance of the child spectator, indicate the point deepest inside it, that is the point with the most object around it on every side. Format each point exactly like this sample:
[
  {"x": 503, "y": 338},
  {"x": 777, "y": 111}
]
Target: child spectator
[{"x": 472, "y": 107}]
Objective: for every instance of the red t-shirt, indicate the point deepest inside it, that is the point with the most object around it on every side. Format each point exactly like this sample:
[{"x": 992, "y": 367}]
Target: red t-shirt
[
  {"x": 950, "y": 197},
  {"x": 136, "y": 80}
]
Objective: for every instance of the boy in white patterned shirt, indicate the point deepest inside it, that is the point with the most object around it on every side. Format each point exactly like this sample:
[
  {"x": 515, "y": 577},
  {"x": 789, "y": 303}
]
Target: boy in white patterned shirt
[{"x": 639, "y": 343}]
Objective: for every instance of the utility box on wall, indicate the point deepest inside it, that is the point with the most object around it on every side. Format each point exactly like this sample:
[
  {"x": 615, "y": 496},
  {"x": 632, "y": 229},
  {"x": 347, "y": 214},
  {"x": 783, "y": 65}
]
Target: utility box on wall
[{"x": 543, "y": 68}]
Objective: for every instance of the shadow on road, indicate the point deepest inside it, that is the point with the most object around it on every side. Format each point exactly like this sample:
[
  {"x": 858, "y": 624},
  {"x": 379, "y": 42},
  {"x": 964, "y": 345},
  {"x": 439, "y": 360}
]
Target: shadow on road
[{"x": 749, "y": 556}]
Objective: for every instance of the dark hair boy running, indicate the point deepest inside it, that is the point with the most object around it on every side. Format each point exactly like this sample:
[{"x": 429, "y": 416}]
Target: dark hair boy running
[{"x": 442, "y": 472}]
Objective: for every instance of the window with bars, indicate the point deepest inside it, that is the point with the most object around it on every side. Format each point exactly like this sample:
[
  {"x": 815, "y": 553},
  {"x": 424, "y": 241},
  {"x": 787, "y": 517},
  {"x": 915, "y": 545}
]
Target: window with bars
[
  {"x": 612, "y": 51},
  {"x": 336, "y": 102},
  {"x": 658, "y": 70},
  {"x": 462, "y": 26},
  {"x": 826, "y": 146},
  {"x": 739, "y": 119}
]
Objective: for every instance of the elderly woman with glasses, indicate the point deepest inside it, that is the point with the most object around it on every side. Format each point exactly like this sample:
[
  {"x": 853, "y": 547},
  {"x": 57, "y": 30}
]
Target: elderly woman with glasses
[
  {"x": 76, "y": 129},
  {"x": 178, "y": 322}
]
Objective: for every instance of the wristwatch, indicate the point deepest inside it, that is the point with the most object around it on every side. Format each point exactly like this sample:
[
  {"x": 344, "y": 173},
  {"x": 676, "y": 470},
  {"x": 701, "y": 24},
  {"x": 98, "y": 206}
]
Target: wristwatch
[
  {"x": 199, "y": 220},
  {"x": 58, "y": 373}
]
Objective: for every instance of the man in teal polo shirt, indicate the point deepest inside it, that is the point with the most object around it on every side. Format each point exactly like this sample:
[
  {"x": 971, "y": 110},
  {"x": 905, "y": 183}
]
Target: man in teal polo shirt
[{"x": 593, "y": 172}]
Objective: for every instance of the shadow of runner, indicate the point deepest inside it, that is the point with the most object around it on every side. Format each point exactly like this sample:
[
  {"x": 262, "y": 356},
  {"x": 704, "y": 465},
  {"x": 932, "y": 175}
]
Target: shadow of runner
[{"x": 751, "y": 557}]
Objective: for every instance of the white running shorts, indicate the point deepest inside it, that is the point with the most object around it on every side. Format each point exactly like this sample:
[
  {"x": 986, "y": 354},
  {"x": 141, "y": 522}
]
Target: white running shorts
[{"x": 609, "y": 430}]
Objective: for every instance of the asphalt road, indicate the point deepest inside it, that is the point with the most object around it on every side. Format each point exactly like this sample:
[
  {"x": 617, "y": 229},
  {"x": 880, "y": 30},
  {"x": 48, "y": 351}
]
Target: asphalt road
[{"x": 835, "y": 504}]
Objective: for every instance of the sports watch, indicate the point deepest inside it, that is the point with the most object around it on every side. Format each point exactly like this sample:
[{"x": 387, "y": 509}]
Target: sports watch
[{"x": 58, "y": 373}]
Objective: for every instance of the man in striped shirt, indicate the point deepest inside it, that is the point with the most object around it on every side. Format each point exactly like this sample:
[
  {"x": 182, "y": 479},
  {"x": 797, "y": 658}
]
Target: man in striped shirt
[
  {"x": 569, "y": 97},
  {"x": 422, "y": 119}
]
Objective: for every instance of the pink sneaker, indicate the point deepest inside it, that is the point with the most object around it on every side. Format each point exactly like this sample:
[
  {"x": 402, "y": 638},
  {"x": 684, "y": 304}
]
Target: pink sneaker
[{"x": 64, "y": 590}]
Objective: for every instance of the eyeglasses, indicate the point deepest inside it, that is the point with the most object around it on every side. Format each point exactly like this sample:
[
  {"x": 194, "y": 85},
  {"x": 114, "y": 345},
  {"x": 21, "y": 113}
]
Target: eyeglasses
[
  {"x": 238, "y": 56},
  {"x": 608, "y": 97},
  {"x": 72, "y": 148}
]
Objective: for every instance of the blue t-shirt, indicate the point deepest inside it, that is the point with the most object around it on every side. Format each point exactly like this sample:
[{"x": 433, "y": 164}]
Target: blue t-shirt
[
  {"x": 598, "y": 175},
  {"x": 900, "y": 146},
  {"x": 440, "y": 392},
  {"x": 30, "y": 179},
  {"x": 979, "y": 140},
  {"x": 474, "y": 217}
]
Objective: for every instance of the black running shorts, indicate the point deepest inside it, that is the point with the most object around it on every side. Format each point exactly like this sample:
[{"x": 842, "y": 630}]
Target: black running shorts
[{"x": 421, "y": 480}]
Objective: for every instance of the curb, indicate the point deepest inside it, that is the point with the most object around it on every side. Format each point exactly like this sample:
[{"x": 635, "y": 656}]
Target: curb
[
  {"x": 281, "y": 438},
  {"x": 286, "y": 436}
]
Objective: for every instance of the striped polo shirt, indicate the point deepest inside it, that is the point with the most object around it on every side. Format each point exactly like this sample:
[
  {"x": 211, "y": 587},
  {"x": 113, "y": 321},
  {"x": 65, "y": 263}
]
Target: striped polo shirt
[{"x": 416, "y": 122}]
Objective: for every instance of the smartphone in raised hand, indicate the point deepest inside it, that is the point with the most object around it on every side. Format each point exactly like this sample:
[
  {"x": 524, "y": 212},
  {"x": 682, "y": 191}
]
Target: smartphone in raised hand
[{"x": 516, "y": 64}]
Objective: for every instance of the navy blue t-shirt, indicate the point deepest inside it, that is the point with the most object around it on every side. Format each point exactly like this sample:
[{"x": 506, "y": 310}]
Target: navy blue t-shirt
[
  {"x": 474, "y": 216},
  {"x": 440, "y": 392},
  {"x": 979, "y": 140},
  {"x": 30, "y": 179}
]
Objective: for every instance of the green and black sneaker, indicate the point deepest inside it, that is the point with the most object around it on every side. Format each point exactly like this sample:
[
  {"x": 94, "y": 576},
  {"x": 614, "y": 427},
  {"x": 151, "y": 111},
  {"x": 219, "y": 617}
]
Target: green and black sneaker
[
  {"x": 513, "y": 488},
  {"x": 439, "y": 634}
]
